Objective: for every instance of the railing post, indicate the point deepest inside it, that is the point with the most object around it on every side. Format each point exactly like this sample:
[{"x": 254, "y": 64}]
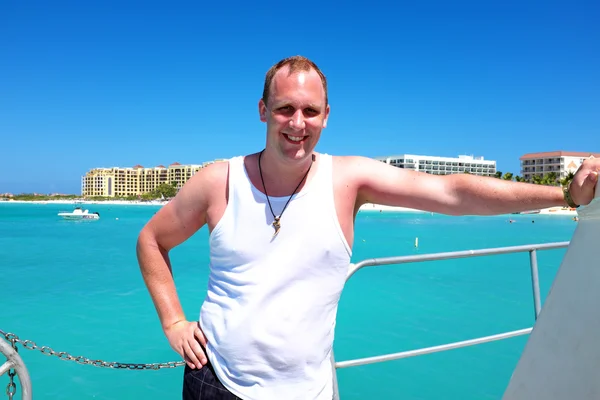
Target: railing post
[
  {"x": 336, "y": 390},
  {"x": 535, "y": 282},
  {"x": 14, "y": 361}
]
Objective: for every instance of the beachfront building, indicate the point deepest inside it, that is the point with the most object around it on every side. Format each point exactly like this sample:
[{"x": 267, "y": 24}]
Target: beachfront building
[
  {"x": 442, "y": 165},
  {"x": 560, "y": 162},
  {"x": 134, "y": 181}
]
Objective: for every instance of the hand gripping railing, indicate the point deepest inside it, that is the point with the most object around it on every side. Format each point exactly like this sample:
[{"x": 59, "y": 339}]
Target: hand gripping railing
[{"x": 532, "y": 249}]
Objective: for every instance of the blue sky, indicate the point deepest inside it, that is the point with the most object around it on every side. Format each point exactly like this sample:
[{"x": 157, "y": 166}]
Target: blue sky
[{"x": 115, "y": 83}]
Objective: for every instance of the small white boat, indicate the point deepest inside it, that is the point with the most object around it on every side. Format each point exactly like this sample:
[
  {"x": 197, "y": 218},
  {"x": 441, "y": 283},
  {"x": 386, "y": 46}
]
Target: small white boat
[{"x": 79, "y": 213}]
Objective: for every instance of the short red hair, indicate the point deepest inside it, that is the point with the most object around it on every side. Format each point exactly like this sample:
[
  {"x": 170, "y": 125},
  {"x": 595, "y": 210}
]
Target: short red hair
[{"x": 295, "y": 64}]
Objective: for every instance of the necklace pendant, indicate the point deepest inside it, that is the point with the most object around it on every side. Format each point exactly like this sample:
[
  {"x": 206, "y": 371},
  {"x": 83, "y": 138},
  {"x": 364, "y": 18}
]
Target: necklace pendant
[{"x": 276, "y": 224}]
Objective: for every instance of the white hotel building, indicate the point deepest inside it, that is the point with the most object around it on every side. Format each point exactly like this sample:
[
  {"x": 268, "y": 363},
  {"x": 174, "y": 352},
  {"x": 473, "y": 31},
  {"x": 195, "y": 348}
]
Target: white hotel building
[
  {"x": 560, "y": 162},
  {"x": 442, "y": 165}
]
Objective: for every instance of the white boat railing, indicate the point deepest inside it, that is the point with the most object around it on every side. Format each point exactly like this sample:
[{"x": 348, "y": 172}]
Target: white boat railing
[{"x": 532, "y": 249}]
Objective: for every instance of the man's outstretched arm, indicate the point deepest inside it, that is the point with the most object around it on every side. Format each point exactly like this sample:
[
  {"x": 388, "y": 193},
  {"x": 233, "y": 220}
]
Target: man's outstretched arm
[{"x": 462, "y": 194}]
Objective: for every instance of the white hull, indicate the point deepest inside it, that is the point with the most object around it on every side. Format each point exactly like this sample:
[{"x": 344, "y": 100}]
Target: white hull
[
  {"x": 89, "y": 216},
  {"x": 79, "y": 214}
]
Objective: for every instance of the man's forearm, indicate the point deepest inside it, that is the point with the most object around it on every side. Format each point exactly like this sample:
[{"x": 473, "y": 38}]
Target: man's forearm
[
  {"x": 156, "y": 271},
  {"x": 491, "y": 196}
]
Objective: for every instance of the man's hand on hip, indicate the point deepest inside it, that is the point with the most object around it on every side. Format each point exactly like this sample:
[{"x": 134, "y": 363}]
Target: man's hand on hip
[{"x": 187, "y": 339}]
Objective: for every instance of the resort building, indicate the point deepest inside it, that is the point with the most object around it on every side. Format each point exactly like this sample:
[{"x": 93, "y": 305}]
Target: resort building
[
  {"x": 442, "y": 165},
  {"x": 559, "y": 162},
  {"x": 135, "y": 181}
]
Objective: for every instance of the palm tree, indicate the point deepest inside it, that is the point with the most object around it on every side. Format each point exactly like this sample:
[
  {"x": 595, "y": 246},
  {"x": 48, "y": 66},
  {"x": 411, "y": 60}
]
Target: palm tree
[
  {"x": 567, "y": 179},
  {"x": 549, "y": 179},
  {"x": 508, "y": 176},
  {"x": 498, "y": 174},
  {"x": 520, "y": 179},
  {"x": 536, "y": 179}
]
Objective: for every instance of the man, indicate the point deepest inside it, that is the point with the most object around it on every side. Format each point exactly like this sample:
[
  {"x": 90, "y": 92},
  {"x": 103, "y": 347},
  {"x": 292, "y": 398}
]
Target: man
[{"x": 281, "y": 226}]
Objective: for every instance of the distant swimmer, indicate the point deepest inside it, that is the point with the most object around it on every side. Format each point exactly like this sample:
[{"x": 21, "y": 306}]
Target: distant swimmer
[{"x": 510, "y": 221}]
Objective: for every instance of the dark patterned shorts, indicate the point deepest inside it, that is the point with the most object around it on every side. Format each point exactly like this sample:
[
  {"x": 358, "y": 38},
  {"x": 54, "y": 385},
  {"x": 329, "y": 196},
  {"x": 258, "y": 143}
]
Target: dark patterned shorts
[{"x": 202, "y": 384}]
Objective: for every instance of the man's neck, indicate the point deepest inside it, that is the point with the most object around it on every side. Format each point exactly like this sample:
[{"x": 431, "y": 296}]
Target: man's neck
[{"x": 278, "y": 174}]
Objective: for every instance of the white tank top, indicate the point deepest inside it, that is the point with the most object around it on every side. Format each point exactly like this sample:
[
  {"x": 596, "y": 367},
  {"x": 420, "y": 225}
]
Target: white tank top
[{"x": 269, "y": 314}]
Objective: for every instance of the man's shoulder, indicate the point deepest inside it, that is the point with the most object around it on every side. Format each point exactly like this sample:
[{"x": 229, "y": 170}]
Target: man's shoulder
[
  {"x": 348, "y": 168},
  {"x": 212, "y": 174},
  {"x": 349, "y": 158},
  {"x": 217, "y": 167},
  {"x": 349, "y": 163},
  {"x": 360, "y": 168}
]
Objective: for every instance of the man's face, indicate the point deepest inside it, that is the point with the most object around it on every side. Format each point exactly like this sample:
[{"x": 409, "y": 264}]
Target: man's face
[{"x": 295, "y": 113}]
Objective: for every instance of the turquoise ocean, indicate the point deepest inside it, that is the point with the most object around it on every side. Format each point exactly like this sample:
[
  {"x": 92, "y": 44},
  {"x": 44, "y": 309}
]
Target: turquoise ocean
[{"x": 76, "y": 287}]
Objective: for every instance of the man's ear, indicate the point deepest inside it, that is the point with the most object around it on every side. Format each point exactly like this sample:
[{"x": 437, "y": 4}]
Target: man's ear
[
  {"x": 262, "y": 110},
  {"x": 326, "y": 116}
]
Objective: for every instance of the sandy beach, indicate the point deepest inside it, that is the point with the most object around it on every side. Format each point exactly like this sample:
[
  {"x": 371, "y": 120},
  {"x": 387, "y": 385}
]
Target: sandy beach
[
  {"x": 78, "y": 203},
  {"x": 545, "y": 211},
  {"x": 382, "y": 208},
  {"x": 366, "y": 208},
  {"x": 559, "y": 211}
]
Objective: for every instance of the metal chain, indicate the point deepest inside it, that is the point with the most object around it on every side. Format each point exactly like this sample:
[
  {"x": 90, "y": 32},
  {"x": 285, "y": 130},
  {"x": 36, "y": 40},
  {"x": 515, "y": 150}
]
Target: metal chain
[
  {"x": 11, "y": 388},
  {"x": 63, "y": 355}
]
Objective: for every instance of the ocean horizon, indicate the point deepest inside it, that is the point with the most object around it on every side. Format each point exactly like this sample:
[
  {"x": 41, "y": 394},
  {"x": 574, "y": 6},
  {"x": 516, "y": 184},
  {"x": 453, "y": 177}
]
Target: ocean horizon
[{"x": 75, "y": 286}]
